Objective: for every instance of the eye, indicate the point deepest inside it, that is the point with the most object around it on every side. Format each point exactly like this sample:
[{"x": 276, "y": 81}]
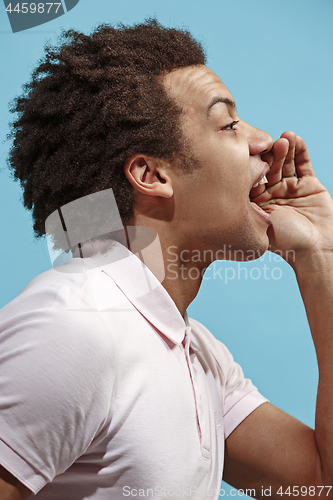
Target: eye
[{"x": 231, "y": 125}]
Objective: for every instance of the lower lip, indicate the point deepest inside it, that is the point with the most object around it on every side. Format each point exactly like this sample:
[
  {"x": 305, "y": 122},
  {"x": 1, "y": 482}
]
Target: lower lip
[{"x": 261, "y": 212}]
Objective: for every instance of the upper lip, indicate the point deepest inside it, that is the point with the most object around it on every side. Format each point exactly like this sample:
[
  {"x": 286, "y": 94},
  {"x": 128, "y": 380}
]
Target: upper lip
[{"x": 264, "y": 172}]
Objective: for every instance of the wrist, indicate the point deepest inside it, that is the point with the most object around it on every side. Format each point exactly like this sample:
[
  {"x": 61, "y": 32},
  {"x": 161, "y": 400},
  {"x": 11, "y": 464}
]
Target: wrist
[{"x": 311, "y": 265}]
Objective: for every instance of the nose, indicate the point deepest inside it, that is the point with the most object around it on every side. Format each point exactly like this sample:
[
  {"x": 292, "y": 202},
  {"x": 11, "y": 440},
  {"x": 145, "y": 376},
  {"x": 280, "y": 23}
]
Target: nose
[{"x": 260, "y": 142}]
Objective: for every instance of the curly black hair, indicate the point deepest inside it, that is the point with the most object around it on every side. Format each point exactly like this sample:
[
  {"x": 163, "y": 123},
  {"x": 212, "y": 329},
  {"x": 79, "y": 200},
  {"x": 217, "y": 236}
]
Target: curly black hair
[{"x": 92, "y": 102}]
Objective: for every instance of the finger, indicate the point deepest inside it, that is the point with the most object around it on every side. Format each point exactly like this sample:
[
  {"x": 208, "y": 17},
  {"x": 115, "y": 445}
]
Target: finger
[
  {"x": 277, "y": 191},
  {"x": 289, "y": 169},
  {"x": 292, "y": 190},
  {"x": 302, "y": 159},
  {"x": 279, "y": 150}
]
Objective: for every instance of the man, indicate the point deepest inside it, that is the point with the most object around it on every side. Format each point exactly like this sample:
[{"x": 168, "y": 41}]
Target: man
[{"x": 107, "y": 389}]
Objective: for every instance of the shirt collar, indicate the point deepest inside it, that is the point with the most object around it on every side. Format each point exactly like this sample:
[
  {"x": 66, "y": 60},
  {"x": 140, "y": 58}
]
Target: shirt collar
[{"x": 143, "y": 290}]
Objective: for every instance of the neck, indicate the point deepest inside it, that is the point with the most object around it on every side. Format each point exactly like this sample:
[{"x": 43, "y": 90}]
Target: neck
[
  {"x": 170, "y": 259},
  {"x": 183, "y": 277}
]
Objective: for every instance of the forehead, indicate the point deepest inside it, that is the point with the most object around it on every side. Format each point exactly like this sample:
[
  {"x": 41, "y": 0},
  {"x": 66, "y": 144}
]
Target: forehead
[{"x": 193, "y": 87}]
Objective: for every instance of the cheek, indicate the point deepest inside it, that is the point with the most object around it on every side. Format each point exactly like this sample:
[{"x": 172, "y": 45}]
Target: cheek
[
  {"x": 235, "y": 179},
  {"x": 232, "y": 189},
  {"x": 222, "y": 183},
  {"x": 227, "y": 158}
]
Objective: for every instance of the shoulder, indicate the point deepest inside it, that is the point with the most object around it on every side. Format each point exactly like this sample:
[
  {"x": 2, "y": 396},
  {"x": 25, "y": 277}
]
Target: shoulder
[
  {"x": 213, "y": 349},
  {"x": 42, "y": 291},
  {"x": 220, "y": 361},
  {"x": 55, "y": 318}
]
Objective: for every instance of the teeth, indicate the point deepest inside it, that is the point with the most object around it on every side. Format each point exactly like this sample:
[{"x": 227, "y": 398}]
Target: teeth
[{"x": 263, "y": 180}]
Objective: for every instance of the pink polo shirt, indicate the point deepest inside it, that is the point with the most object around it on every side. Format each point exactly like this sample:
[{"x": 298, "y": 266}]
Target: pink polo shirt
[{"x": 106, "y": 392}]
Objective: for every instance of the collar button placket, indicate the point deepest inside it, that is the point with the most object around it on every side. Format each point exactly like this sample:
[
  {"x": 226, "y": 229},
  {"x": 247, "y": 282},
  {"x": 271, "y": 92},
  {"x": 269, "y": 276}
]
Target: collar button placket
[{"x": 186, "y": 344}]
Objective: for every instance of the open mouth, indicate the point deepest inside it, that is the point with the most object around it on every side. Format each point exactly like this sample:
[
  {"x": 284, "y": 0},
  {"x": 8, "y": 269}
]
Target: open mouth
[
  {"x": 259, "y": 182},
  {"x": 262, "y": 180}
]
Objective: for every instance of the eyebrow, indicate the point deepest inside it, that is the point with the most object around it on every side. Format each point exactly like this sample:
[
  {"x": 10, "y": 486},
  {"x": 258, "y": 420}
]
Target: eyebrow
[{"x": 225, "y": 100}]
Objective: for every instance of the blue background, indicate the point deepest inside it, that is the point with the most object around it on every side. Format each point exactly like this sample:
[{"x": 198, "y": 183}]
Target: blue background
[{"x": 276, "y": 58}]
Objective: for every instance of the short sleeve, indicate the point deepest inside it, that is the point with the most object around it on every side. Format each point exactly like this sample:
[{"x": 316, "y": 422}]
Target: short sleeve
[
  {"x": 241, "y": 397},
  {"x": 56, "y": 379}
]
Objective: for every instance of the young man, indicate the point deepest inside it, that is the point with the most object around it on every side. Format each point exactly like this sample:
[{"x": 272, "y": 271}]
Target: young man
[{"x": 107, "y": 390}]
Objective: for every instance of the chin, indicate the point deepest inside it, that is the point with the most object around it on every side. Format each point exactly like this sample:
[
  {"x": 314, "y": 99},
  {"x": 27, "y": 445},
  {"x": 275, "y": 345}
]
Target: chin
[
  {"x": 243, "y": 241},
  {"x": 254, "y": 240},
  {"x": 258, "y": 247},
  {"x": 249, "y": 246}
]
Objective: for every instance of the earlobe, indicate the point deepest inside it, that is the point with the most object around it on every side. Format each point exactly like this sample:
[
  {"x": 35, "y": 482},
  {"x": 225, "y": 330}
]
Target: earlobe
[{"x": 148, "y": 176}]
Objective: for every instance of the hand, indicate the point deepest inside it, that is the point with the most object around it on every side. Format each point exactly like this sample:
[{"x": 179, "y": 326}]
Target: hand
[{"x": 301, "y": 208}]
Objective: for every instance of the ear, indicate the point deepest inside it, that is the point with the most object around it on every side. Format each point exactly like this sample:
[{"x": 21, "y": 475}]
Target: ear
[{"x": 148, "y": 176}]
